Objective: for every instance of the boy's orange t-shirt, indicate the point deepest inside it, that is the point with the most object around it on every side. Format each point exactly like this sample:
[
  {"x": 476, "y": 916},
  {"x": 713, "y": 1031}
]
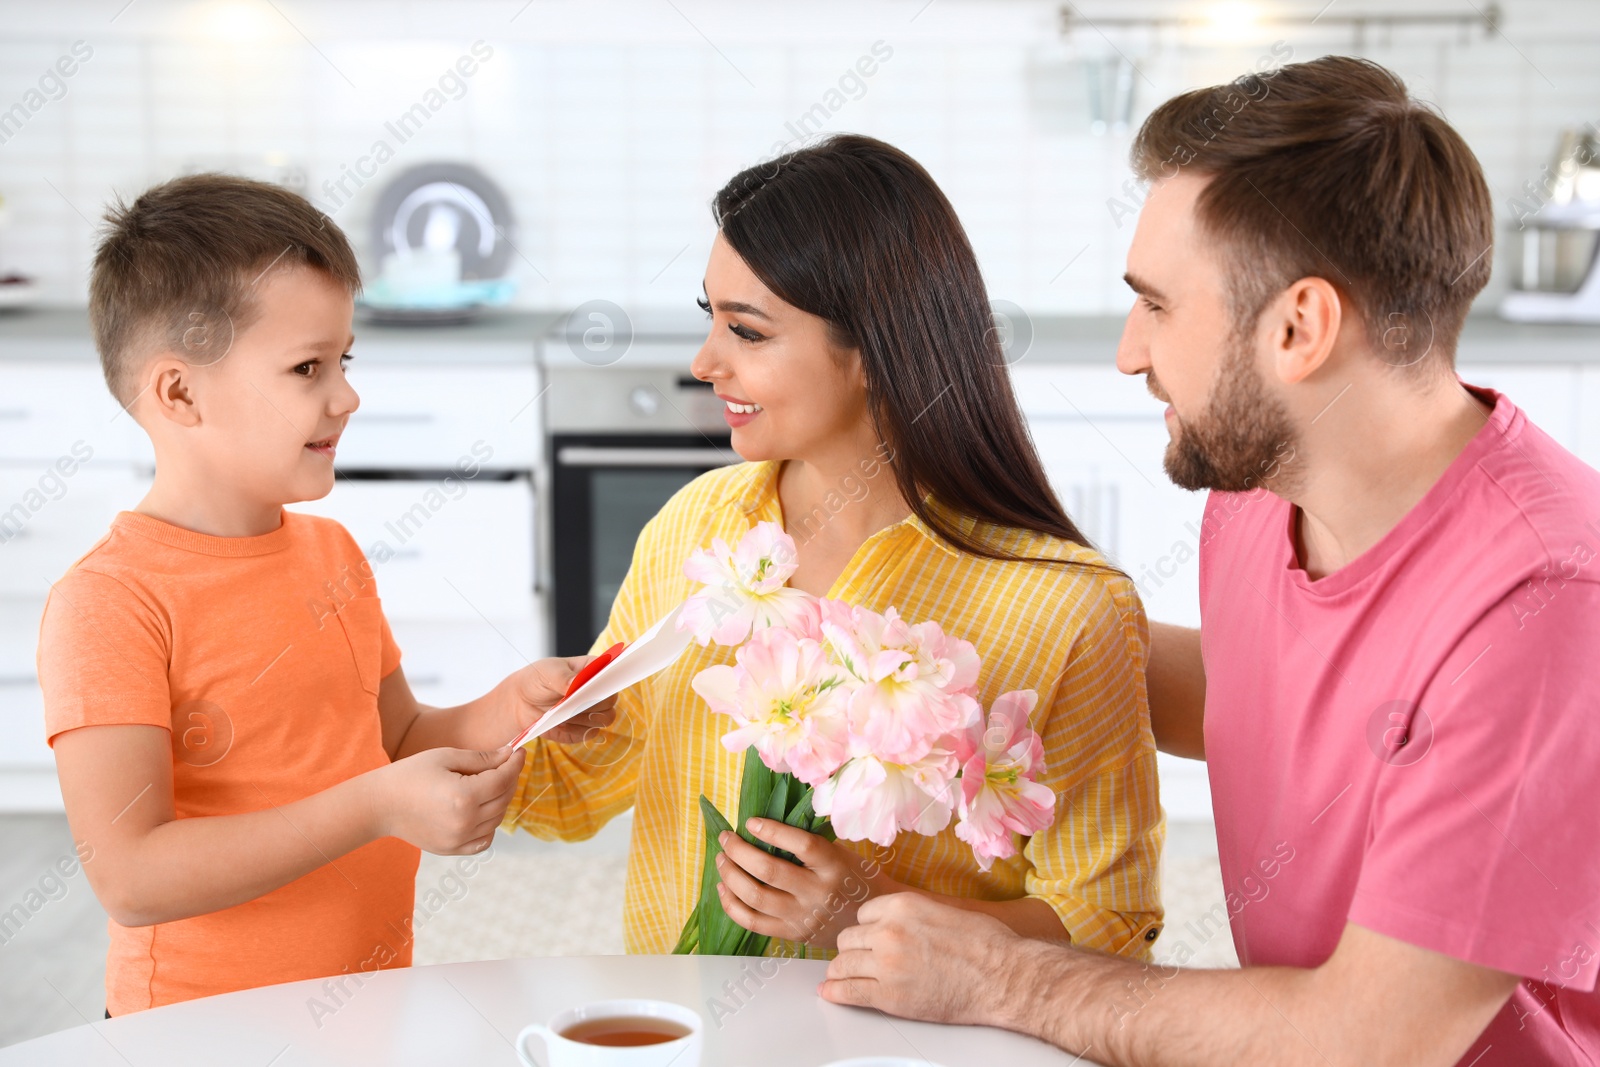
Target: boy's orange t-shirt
[{"x": 262, "y": 655}]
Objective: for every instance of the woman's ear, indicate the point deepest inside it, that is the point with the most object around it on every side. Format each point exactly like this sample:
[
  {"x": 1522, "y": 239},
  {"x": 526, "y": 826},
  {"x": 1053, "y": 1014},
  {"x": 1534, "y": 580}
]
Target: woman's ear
[
  {"x": 856, "y": 369},
  {"x": 1304, "y": 323}
]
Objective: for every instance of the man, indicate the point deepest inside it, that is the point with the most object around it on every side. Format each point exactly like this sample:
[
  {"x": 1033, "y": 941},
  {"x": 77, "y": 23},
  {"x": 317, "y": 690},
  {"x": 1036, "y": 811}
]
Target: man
[{"x": 1400, "y": 613}]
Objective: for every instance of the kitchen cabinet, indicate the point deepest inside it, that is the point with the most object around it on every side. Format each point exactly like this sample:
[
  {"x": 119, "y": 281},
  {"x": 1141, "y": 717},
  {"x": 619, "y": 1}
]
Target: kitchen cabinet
[
  {"x": 52, "y": 519},
  {"x": 427, "y": 417},
  {"x": 1101, "y": 438},
  {"x": 53, "y": 409},
  {"x": 452, "y": 662},
  {"x": 446, "y": 548},
  {"x": 67, "y": 466},
  {"x": 27, "y": 770}
]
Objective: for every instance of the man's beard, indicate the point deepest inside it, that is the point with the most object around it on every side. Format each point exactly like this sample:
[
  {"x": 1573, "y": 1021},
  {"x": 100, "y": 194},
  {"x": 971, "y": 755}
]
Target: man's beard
[{"x": 1240, "y": 441}]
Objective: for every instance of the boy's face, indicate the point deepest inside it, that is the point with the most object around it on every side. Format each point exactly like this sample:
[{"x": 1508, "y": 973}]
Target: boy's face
[{"x": 267, "y": 415}]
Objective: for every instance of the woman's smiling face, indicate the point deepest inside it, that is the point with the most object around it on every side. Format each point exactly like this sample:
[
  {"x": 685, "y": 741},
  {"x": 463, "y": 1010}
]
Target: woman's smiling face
[{"x": 788, "y": 391}]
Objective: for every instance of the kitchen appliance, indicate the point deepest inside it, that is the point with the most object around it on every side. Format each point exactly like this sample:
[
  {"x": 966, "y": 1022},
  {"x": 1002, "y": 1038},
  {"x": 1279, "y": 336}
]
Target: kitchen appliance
[
  {"x": 1559, "y": 275},
  {"x": 441, "y": 233},
  {"x": 628, "y": 426}
]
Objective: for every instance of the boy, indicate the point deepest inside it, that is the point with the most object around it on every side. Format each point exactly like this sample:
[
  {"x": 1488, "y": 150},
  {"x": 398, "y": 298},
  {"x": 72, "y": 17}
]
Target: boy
[{"x": 249, "y": 767}]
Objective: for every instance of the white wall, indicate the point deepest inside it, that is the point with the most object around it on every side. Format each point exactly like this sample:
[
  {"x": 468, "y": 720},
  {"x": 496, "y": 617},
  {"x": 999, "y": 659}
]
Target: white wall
[{"x": 611, "y": 124}]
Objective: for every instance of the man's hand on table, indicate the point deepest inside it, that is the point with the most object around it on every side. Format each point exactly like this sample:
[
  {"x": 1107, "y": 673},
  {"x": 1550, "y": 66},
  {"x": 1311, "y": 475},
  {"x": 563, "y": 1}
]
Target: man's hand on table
[
  {"x": 917, "y": 958},
  {"x": 1375, "y": 1001}
]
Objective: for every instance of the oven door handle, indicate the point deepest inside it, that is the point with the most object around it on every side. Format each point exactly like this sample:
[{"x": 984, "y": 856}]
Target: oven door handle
[{"x": 593, "y": 456}]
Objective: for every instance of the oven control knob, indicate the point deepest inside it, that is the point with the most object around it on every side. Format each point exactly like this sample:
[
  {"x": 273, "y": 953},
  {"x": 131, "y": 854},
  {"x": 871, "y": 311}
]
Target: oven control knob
[{"x": 644, "y": 401}]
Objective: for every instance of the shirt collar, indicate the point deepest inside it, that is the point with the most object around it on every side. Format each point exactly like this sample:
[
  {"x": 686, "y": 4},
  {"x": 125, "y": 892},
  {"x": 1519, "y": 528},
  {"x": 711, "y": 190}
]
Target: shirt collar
[{"x": 759, "y": 492}]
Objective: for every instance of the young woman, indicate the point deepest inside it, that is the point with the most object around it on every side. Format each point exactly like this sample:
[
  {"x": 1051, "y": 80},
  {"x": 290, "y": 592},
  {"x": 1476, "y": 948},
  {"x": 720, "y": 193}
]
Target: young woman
[{"x": 851, "y": 339}]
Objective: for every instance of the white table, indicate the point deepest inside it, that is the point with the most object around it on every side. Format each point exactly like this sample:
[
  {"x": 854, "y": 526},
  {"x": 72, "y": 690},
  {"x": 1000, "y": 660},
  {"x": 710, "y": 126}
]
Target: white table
[{"x": 469, "y": 1013}]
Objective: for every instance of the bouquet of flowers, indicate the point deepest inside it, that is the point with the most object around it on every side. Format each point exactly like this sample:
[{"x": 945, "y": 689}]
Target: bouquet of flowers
[{"x": 854, "y": 725}]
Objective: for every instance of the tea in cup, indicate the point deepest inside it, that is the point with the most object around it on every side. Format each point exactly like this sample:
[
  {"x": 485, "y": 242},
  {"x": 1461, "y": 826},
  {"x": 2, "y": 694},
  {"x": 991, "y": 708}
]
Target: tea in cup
[{"x": 617, "y": 1033}]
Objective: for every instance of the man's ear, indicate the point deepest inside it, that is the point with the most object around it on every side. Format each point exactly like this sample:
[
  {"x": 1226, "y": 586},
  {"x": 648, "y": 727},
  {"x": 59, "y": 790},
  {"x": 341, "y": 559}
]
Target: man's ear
[
  {"x": 1303, "y": 325},
  {"x": 170, "y": 383}
]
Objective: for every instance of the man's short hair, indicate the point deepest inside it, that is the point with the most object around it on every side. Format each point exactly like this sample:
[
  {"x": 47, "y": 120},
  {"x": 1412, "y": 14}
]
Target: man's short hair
[
  {"x": 1331, "y": 169},
  {"x": 176, "y": 270}
]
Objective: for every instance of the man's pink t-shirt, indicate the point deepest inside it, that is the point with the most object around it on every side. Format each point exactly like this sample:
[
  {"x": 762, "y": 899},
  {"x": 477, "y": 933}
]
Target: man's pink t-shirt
[{"x": 1412, "y": 742}]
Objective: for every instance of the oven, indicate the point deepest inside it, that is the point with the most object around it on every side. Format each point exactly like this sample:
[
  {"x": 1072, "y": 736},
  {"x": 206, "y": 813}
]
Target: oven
[
  {"x": 605, "y": 488},
  {"x": 622, "y": 439}
]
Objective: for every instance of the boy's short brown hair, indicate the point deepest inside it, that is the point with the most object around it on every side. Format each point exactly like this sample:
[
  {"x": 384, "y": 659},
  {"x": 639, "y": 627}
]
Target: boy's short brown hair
[
  {"x": 175, "y": 270},
  {"x": 1331, "y": 169}
]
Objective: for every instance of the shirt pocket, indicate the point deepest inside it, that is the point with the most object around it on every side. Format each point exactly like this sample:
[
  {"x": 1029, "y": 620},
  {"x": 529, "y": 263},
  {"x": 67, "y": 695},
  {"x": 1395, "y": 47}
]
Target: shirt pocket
[{"x": 362, "y": 620}]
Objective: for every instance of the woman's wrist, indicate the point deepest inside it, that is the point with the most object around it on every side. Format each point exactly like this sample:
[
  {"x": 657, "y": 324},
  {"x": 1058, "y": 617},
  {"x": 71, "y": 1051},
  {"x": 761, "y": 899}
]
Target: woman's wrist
[{"x": 879, "y": 884}]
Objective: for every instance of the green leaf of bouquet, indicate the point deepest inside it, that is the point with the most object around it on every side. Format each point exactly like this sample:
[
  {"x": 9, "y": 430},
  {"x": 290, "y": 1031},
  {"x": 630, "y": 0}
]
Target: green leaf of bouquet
[
  {"x": 778, "y": 802},
  {"x": 799, "y": 793},
  {"x": 802, "y": 813},
  {"x": 689, "y": 939},
  {"x": 754, "y": 792},
  {"x": 753, "y": 944},
  {"x": 719, "y": 935}
]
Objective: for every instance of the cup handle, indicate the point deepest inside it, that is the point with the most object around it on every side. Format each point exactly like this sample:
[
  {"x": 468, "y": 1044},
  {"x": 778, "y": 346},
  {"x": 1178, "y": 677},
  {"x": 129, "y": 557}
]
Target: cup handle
[{"x": 539, "y": 1030}]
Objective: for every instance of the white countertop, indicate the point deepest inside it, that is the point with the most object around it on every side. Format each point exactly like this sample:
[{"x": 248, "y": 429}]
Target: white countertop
[{"x": 756, "y": 1012}]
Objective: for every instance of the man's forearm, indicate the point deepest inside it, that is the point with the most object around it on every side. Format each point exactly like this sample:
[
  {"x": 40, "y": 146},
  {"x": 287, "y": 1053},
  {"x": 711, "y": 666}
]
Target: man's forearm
[
  {"x": 1175, "y": 681},
  {"x": 1121, "y": 1012}
]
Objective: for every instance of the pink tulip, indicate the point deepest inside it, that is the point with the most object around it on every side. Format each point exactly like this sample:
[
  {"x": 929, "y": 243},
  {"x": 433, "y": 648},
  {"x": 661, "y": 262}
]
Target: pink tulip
[
  {"x": 789, "y": 701},
  {"x": 872, "y": 800},
  {"x": 999, "y": 796},
  {"x": 744, "y": 589},
  {"x": 912, "y": 680}
]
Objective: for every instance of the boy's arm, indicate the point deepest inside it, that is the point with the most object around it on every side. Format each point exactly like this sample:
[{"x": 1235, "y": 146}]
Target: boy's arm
[
  {"x": 150, "y": 866},
  {"x": 1175, "y": 679},
  {"x": 491, "y": 720}
]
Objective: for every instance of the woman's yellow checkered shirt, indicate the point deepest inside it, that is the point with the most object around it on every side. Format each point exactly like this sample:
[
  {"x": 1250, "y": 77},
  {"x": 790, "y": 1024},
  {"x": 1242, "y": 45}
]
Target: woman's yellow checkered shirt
[{"x": 1076, "y": 635}]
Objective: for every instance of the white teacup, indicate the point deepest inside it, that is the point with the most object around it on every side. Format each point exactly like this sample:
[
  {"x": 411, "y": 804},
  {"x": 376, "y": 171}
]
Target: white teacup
[{"x": 591, "y": 1021}]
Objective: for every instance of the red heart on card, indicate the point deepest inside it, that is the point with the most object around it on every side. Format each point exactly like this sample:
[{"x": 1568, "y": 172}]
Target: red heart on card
[{"x": 594, "y": 667}]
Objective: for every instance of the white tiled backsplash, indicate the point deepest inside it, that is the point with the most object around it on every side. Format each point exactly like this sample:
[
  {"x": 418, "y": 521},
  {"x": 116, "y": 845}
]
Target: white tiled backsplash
[{"x": 610, "y": 125}]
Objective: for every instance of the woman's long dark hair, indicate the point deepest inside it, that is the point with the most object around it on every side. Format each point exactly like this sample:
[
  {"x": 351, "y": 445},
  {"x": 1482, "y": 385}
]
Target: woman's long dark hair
[{"x": 854, "y": 231}]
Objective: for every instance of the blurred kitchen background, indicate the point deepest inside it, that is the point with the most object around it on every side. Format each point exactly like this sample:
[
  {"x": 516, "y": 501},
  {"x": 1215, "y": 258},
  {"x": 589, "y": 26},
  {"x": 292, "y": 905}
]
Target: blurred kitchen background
[{"x": 528, "y": 184}]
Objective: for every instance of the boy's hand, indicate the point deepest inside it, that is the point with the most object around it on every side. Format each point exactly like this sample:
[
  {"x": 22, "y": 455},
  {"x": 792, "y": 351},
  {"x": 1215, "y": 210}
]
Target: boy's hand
[
  {"x": 538, "y": 687},
  {"x": 447, "y": 801}
]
